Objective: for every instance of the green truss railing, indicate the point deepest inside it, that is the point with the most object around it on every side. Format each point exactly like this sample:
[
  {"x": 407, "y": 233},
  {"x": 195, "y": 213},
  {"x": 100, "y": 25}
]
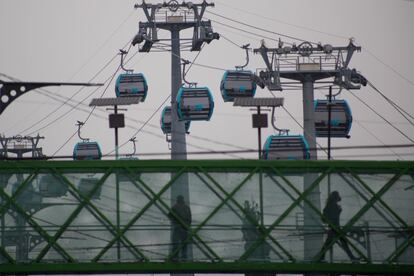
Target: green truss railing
[{"x": 247, "y": 216}]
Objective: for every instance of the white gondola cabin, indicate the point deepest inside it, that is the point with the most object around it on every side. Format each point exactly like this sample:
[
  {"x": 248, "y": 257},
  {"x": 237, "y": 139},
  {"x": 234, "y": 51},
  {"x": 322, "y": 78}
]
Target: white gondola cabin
[
  {"x": 286, "y": 147},
  {"x": 131, "y": 85},
  {"x": 166, "y": 119},
  {"x": 86, "y": 150},
  {"x": 341, "y": 118},
  {"x": 237, "y": 83},
  {"x": 194, "y": 104}
]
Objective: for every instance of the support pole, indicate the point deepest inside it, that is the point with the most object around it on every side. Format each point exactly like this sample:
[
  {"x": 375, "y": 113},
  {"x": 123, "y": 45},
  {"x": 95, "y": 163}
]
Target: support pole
[
  {"x": 116, "y": 136},
  {"x": 313, "y": 237},
  {"x": 309, "y": 115},
  {"x": 329, "y": 121},
  {"x": 259, "y": 135}
]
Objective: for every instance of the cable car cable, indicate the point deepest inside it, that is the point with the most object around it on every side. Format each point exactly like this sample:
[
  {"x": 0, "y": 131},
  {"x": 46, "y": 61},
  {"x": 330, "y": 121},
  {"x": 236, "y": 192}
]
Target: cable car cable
[
  {"x": 54, "y": 97},
  {"x": 253, "y": 151},
  {"x": 398, "y": 108},
  {"x": 283, "y": 22},
  {"x": 229, "y": 40},
  {"x": 333, "y": 35},
  {"x": 382, "y": 117},
  {"x": 196, "y": 137},
  {"x": 70, "y": 110},
  {"x": 261, "y": 29},
  {"x": 93, "y": 109},
  {"x": 376, "y": 137},
  {"x": 390, "y": 67},
  {"x": 245, "y": 31},
  {"x": 60, "y": 106}
]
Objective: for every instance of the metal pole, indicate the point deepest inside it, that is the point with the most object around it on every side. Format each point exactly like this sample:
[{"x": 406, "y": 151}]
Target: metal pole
[
  {"x": 329, "y": 122},
  {"x": 329, "y": 151},
  {"x": 259, "y": 130},
  {"x": 309, "y": 115},
  {"x": 118, "y": 218},
  {"x": 313, "y": 237},
  {"x": 116, "y": 136}
]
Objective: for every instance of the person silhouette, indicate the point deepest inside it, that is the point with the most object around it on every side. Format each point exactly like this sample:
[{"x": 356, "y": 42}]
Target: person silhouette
[
  {"x": 332, "y": 212},
  {"x": 180, "y": 214}
]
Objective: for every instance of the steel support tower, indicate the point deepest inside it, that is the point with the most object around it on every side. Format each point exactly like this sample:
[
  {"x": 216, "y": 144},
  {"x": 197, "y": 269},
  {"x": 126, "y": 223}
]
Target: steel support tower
[
  {"x": 174, "y": 17},
  {"x": 308, "y": 63}
]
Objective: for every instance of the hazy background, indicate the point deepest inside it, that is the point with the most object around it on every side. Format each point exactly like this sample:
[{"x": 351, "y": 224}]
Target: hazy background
[{"x": 49, "y": 40}]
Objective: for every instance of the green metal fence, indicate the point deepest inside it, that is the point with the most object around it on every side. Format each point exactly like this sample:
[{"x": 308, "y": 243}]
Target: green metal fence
[{"x": 246, "y": 216}]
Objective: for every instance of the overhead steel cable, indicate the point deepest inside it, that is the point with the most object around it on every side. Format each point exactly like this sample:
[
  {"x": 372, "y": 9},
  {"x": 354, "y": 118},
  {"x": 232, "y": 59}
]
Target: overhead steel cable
[
  {"x": 84, "y": 99},
  {"x": 281, "y": 21},
  {"x": 376, "y": 138},
  {"x": 104, "y": 43},
  {"x": 64, "y": 103},
  {"x": 76, "y": 104},
  {"x": 160, "y": 106},
  {"x": 93, "y": 109},
  {"x": 382, "y": 117},
  {"x": 55, "y": 97},
  {"x": 297, "y": 122},
  {"x": 355, "y": 147},
  {"x": 229, "y": 40},
  {"x": 390, "y": 67},
  {"x": 259, "y": 28},
  {"x": 398, "y": 108},
  {"x": 245, "y": 31},
  {"x": 89, "y": 115}
]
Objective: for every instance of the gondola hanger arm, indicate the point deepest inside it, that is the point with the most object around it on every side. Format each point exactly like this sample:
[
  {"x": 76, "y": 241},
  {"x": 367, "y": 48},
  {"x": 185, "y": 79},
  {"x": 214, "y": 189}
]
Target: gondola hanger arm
[
  {"x": 246, "y": 48},
  {"x": 185, "y": 63},
  {"x": 81, "y": 124},
  {"x": 123, "y": 53}
]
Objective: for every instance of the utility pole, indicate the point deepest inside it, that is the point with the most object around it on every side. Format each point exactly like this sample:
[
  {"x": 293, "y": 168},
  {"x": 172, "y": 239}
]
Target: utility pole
[
  {"x": 313, "y": 63},
  {"x": 174, "y": 17}
]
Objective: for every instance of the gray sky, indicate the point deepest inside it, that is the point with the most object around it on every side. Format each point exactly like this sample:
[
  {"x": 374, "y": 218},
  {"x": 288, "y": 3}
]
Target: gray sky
[{"x": 49, "y": 40}]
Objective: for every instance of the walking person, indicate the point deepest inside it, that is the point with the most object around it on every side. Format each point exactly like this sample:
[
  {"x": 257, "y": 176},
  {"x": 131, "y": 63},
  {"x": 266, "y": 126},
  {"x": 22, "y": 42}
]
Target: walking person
[
  {"x": 332, "y": 212},
  {"x": 180, "y": 231}
]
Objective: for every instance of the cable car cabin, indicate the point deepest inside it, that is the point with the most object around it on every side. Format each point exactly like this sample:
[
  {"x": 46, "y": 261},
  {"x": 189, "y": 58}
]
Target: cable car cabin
[
  {"x": 87, "y": 151},
  {"x": 286, "y": 147},
  {"x": 166, "y": 121},
  {"x": 237, "y": 84},
  {"x": 131, "y": 85},
  {"x": 194, "y": 104},
  {"x": 51, "y": 186},
  {"x": 341, "y": 118},
  {"x": 87, "y": 184}
]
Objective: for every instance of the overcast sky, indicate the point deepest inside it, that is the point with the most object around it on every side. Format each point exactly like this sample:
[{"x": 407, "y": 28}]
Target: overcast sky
[{"x": 49, "y": 40}]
